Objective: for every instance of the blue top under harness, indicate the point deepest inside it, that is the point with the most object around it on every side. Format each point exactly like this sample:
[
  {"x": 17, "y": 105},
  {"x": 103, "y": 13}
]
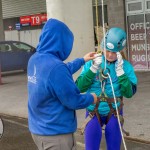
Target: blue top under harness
[{"x": 103, "y": 107}]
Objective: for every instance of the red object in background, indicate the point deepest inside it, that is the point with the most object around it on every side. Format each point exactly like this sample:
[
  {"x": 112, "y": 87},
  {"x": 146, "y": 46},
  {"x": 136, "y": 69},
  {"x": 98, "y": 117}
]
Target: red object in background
[
  {"x": 10, "y": 27},
  {"x": 25, "y": 19},
  {"x": 43, "y": 17},
  {"x": 34, "y": 20}
]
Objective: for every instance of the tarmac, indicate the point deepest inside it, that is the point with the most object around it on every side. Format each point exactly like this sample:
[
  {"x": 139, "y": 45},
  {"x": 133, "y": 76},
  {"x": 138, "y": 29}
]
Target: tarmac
[
  {"x": 13, "y": 102},
  {"x": 17, "y": 137}
]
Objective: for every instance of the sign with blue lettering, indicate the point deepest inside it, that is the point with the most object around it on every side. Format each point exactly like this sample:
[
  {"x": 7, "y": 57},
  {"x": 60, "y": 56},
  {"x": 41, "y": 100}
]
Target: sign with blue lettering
[{"x": 18, "y": 27}]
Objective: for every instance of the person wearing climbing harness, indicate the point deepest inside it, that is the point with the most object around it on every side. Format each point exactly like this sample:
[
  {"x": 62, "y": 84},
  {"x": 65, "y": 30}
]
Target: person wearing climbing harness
[
  {"x": 95, "y": 78},
  {"x": 53, "y": 96}
]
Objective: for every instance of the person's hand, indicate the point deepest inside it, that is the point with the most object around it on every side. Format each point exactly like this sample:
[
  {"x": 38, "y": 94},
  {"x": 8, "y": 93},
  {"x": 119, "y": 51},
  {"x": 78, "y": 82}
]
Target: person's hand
[
  {"x": 119, "y": 65},
  {"x": 96, "y": 63},
  {"x": 89, "y": 56},
  {"x": 95, "y": 98}
]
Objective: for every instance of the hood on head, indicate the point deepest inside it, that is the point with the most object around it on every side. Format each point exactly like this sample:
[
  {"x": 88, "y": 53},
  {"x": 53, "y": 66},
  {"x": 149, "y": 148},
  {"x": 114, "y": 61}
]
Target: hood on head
[{"x": 56, "y": 38}]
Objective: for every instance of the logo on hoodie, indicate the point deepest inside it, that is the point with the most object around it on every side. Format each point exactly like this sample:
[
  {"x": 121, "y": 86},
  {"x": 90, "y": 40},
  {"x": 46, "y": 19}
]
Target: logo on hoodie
[{"x": 33, "y": 78}]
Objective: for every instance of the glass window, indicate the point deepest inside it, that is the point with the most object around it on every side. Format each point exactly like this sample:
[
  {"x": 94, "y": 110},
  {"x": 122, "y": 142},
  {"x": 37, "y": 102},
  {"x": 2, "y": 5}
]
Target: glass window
[
  {"x": 147, "y": 4},
  {"x": 21, "y": 46},
  {"x": 2, "y": 47},
  {"x": 98, "y": 31},
  {"x": 135, "y": 6},
  {"x": 5, "y": 47},
  {"x": 100, "y": 15},
  {"x": 136, "y": 41}
]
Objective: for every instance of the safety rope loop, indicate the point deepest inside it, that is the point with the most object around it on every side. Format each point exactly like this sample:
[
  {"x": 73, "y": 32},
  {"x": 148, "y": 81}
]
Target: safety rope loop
[
  {"x": 103, "y": 86},
  {"x": 117, "y": 113},
  {"x": 104, "y": 73}
]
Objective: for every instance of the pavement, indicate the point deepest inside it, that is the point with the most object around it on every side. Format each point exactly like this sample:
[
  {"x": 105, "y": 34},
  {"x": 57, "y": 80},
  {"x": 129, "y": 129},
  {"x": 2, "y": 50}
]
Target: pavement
[
  {"x": 16, "y": 136},
  {"x": 13, "y": 102}
]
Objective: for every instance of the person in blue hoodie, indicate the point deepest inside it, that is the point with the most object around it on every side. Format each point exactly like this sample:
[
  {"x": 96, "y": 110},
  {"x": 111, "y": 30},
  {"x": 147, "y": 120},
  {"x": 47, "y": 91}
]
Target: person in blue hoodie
[
  {"x": 113, "y": 75},
  {"x": 53, "y": 96}
]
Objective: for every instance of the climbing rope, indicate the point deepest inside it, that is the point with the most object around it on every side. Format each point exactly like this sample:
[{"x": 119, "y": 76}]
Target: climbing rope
[
  {"x": 103, "y": 22},
  {"x": 98, "y": 47},
  {"x": 123, "y": 140}
]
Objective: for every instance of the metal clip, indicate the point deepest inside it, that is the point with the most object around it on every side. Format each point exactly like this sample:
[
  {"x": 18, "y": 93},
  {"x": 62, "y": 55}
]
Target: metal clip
[{"x": 104, "y": 73}]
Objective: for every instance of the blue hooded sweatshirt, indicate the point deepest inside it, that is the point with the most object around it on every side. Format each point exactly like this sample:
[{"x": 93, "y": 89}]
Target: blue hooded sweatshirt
[{"x": 52, "y": 94}]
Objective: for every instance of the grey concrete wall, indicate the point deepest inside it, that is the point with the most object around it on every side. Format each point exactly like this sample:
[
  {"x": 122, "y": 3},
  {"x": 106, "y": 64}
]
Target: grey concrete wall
[
  {"x": 116, "y": 16},
  {"x": 78, "y": 16},
  {"x": 2, "y": 37},
  {"x": 116, "y": 13}
]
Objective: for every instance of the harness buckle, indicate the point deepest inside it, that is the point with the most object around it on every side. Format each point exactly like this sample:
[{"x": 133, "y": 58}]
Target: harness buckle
[
  {"x": 91, "y": 115},
  {"x": 103, "y": 97}
]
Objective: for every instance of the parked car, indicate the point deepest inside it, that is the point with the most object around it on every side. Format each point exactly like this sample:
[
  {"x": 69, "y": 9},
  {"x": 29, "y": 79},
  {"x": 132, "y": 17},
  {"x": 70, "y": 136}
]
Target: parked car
[{"x": 14, "y": 55}]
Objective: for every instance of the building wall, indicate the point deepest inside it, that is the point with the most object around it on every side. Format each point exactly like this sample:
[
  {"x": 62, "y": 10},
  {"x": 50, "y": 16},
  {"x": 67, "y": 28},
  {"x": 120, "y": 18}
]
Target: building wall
[
  {"x": 117, "y": 17},
  {"x": 13, "y": 10},
  {"x": 116, "y": 13},
  {"x": 99, "y": 2},
  {"x": 1, "y": 23},
  {"x": 30, "y": 37}
]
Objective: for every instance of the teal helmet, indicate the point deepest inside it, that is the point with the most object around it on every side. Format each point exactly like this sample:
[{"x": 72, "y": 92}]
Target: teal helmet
[{"x": 115, "y": 39}]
